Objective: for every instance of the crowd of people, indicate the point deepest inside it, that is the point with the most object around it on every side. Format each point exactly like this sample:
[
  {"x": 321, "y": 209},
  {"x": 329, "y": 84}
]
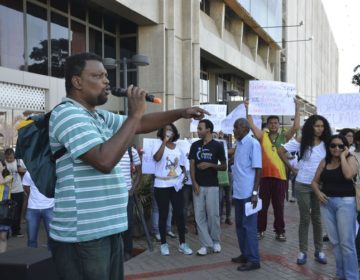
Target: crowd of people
[{"x": 91, "y": 214}]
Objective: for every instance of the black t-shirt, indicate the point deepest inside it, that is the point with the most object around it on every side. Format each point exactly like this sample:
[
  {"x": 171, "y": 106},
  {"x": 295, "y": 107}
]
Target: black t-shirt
[
  {"x": 335, "y": 184},
  {"x": 212, "y": 152}
]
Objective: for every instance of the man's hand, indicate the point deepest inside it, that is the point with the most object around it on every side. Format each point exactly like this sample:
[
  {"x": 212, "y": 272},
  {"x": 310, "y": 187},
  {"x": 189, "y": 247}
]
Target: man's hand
[
  {"x": 204, "y": 165},
  {"x": 195, "y": 113},
  {"x": 136, "y": 101},
  {"x": 254, "y": 200},
  {"x": 196, "y": 188}
]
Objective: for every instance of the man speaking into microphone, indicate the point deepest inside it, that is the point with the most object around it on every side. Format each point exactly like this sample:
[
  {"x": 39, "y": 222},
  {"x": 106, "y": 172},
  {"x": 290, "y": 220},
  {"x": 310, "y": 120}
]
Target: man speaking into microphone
[{"x": 91, "y": 194}]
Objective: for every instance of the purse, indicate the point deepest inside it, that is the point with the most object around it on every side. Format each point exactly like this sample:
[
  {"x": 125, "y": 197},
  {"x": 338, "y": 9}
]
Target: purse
[{"x": 7, "y": 211}]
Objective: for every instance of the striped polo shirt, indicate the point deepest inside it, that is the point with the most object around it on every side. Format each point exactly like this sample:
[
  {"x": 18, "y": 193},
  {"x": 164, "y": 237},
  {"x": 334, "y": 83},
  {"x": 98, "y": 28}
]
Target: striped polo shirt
[{"x": 89, "y": 204}]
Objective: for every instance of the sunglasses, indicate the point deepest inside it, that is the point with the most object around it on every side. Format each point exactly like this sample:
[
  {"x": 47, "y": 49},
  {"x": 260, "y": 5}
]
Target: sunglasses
[{"x": 340, "y": 146}]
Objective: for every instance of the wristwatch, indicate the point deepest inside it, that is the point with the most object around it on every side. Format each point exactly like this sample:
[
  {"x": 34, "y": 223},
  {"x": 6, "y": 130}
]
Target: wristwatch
[{"x": 254, "y": 193}]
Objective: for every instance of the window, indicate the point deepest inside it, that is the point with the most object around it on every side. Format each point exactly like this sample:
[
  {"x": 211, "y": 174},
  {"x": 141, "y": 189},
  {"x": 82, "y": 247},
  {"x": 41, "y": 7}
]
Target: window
[
  {"x": 78, "y": 37},
  {"x": 11, "y": 25},
  {"x": 204, "y": 87},
  {"x": 37, "y": 41},
  {"x": 205, "y": 6}
]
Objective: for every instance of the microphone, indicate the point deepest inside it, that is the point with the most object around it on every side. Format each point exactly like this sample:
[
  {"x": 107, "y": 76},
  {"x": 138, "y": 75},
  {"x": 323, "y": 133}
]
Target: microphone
[{"x": 122, "y": 92}]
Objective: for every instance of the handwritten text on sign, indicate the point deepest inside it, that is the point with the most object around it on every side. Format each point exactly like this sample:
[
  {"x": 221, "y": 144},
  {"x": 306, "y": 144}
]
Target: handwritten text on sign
[
  {"x": 341, "y": 110},
  {"x": 271, "y": 98}
]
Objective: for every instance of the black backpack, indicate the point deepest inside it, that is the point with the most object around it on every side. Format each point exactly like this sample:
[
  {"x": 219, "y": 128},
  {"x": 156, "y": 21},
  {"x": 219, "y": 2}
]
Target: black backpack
[{"x": 33, "y": 148}]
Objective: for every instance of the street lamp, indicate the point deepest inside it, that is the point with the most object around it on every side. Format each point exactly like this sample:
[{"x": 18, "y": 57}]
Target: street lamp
[{"x": 137, "y": 60}]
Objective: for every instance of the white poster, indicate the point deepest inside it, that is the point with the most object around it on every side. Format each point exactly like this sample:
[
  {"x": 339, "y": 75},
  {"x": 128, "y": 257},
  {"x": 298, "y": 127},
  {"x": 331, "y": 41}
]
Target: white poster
[
  {"x": 271, "y": 98},
  {"x": 227, "y": 125},
  {"x": 148, "y": 163},
  {"x": 218, "y": 113},
  {"x": 341, "y": 110}
]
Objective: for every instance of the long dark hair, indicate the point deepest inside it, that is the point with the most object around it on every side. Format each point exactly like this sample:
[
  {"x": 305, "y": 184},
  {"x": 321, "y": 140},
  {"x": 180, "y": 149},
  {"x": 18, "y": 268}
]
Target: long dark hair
[
  {"x": 336, "y": 136},
  {"x": 307, "y": 133},
  {"x": 176, "y": 136}
]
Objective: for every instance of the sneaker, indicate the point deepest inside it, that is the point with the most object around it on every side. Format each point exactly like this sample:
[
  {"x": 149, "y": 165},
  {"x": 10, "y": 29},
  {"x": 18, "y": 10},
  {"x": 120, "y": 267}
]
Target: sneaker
[
  {"x": 217, "y": 247},
  {"x": 157, "y": 237},
  {"x": 260, "y": 235},
  {"x": 280, "y": 237},
  {"x": 320, "y": 257},
  {"x": 19, "y": 234},
  {"x": 228, "y": 221},
  {"x": 239, "y": 259},
  {"x": 185, "y": 249},
  {"x": 301, "y": 259},
  {"x": 171, "y": 234},
  {"x": 202, "y": 251},
  {"x": 164, "y": 249}
]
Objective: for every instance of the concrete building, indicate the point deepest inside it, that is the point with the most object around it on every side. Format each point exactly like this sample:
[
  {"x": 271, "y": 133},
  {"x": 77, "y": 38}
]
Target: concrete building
[
  {"x": 198, "y": 50},
  {"x": 310, "y": 57}
]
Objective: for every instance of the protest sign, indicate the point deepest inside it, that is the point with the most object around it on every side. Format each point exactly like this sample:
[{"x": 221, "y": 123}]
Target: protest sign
[
  {"x": 227, "y": 125},
  {"x": 218, "y": 113},
  {"x": 148, "y": 163},
  {"x": 341, "y": 110},
  {"x": 271, "y": 98}
]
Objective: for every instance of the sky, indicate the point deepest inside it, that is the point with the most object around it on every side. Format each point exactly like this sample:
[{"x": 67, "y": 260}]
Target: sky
[{"x": 344, "y": 20}]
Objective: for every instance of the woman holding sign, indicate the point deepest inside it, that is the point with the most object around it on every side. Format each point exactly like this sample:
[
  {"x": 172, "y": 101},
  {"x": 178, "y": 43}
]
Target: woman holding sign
[
  {"x": 169, "y": 177},
  {"x": 316, "y": 133}
]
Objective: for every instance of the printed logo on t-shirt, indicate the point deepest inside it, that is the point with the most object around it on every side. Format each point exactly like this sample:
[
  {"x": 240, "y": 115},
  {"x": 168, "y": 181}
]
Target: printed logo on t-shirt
[
  {"x": 171, "y": 166},
  {"x": 204, "y": 154}
]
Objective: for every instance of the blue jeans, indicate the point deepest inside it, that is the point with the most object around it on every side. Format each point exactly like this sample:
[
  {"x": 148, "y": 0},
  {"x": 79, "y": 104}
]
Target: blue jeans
[
  {"x": 33, "y": 217},
  {"x": 246, "y": 230},
  {"x": 339, "y": 214}
]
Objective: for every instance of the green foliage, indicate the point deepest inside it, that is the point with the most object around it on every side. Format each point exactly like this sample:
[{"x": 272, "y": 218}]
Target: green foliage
[
  {"x": 356, "y": 77},
  {"x": 144, "y": 193}
]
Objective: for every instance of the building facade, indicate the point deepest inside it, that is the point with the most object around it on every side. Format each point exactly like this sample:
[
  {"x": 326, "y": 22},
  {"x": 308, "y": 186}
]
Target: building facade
[
  {"x": 310, "y": 56},
  {"x": 199, "y": 51}
]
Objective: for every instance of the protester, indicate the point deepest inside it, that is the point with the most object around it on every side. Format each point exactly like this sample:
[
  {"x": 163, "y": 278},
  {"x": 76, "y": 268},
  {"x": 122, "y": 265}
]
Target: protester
[
  {"x": 273, "y": 185},
  {"x": 5, "y": 193},
  {"x": 338, "y": 205},
  {"x": 349, "y": 135},
  {"x": 39, "y": 207},
  {"x": 204, "y": 157},
  {"x": 17, "y": 169},
  {"x": 356, "y": 153},
  {"x": 316, "y": 133},
  {"x": 246, "y": 174},
  {"x": 91, "y": 194},
  {"x": 169, "y": 177},
  {"x": 130, "y": 163}
]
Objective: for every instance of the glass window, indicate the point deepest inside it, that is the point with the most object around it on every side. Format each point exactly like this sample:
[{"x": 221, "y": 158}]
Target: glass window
[
  {"x": 110, "y": 51},
  {"x": 127, "y": 27},
  {"x": 95, "y": 41},
  {"x": 78, "y": 10},
  {"x": 128, "y": 49},
  {"x": 110, "y": 24},
  {"x": 205, "y": 6},
  {"x": 61, "y": 5},
  {"x": 131, "y": 78},
  {"x": 204, "y": 87},
  {"x": 37, "y": 39},
  {"x": 11, "y": 34},
  {"x": 95, "y": 18},
  {"x": 59, "y": 44},
  {"x": 77, "y": 37}
]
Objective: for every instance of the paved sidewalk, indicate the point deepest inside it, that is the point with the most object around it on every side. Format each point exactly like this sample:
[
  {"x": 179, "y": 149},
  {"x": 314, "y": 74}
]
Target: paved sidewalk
[{"x": 277, "y": 258}]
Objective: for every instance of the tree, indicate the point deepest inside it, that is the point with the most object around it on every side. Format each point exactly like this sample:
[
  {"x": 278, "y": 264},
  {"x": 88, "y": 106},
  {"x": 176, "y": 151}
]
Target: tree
[{"x": 356, "y": 77}]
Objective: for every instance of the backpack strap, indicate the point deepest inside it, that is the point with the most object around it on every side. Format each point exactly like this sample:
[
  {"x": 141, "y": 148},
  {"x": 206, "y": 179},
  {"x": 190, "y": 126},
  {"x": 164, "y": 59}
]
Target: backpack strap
[{"x": 130, "y": 155}]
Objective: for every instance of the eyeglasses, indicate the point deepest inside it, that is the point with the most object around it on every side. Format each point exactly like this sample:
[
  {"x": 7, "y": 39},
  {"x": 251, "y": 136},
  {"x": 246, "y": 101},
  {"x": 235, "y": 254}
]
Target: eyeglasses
[{"x": 340, "y": 146}]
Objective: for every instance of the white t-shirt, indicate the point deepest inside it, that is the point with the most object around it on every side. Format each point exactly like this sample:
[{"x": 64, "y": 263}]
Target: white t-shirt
[
  {"x": 125, "y": 165},
  {"x": 13, "y": 169},
  {"x": 36, "y": 199},
  {"x": 168, "y": 169},
  {"x": 310, "y": 161}
]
